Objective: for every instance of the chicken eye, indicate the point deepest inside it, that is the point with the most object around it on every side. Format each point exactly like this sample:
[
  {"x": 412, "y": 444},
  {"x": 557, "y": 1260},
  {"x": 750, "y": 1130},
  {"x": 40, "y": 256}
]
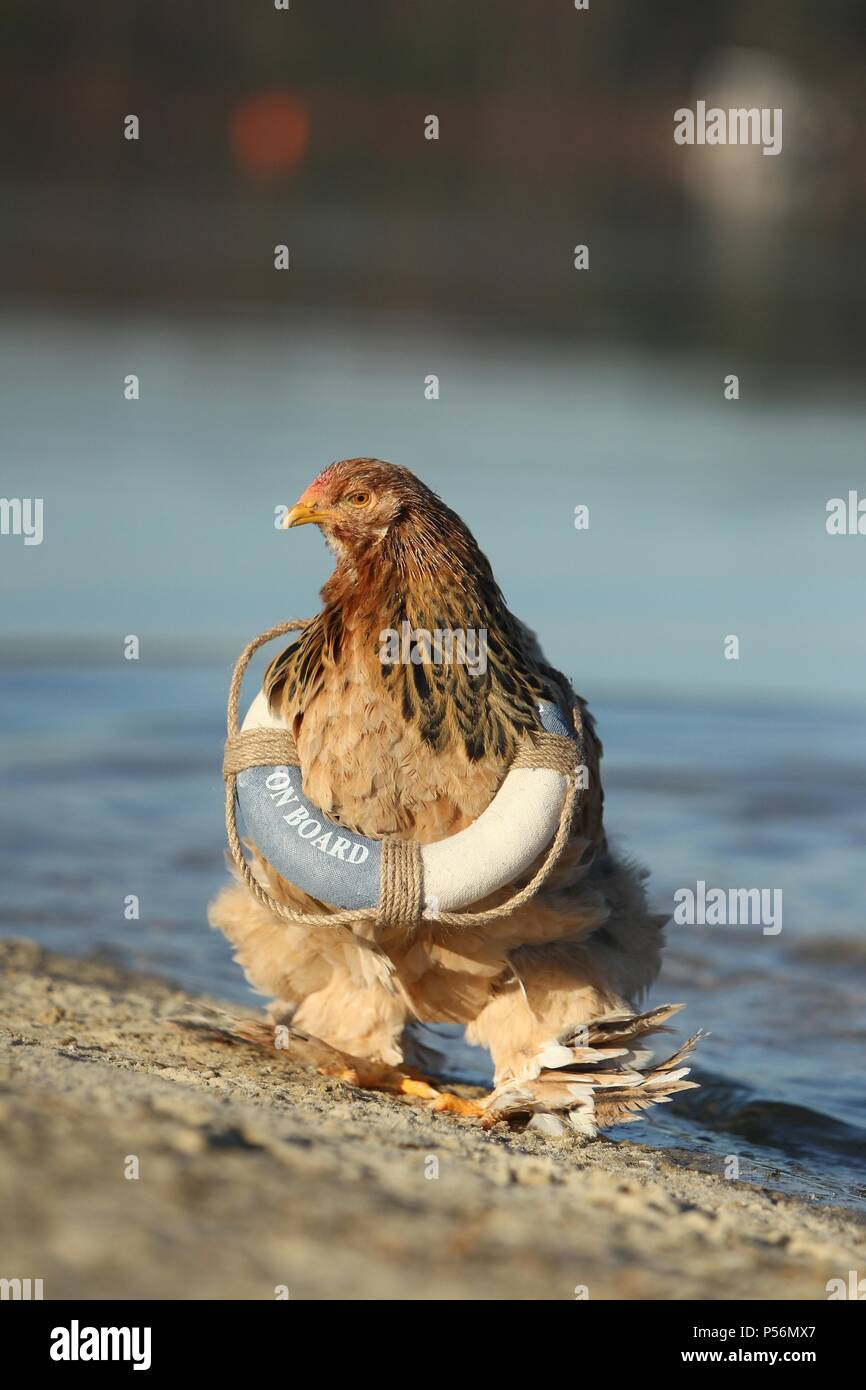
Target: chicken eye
[{"x": 359, "y": 499}]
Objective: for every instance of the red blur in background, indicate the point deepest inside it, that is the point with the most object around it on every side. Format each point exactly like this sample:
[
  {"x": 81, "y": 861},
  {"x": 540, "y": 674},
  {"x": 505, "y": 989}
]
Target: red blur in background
[{"x": 269, "y": 134}]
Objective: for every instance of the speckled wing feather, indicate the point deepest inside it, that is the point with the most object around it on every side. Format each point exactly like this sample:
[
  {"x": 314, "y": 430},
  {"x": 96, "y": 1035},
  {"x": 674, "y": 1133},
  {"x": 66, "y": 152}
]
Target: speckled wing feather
[{"x": 469, "y": 724}]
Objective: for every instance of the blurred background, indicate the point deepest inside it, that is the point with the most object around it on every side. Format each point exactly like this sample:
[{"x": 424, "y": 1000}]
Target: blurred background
[{"x": 558, "y": 387}]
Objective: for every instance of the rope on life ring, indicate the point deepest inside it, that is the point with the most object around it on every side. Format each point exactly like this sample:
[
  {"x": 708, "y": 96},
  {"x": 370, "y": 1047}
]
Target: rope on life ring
[{"x": 265, "y": 753}]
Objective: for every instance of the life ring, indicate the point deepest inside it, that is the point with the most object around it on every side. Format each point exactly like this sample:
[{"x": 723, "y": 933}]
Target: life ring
[{"x": 342, "y": 868}]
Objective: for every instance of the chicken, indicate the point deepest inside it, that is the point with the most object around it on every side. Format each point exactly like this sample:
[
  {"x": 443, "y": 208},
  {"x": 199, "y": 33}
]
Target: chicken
[{"x": 418, "y": 749}]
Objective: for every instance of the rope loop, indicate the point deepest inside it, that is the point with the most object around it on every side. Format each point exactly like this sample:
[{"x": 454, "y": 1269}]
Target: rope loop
[{"x": 401, "y": 886}]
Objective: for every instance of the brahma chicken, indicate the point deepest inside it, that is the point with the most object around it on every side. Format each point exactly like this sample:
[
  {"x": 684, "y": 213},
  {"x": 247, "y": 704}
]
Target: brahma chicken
[{"x": 418, "y": 749}]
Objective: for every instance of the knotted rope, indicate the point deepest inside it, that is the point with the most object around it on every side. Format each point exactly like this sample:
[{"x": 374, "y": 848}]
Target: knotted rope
[{"x": 401, "y": 887}]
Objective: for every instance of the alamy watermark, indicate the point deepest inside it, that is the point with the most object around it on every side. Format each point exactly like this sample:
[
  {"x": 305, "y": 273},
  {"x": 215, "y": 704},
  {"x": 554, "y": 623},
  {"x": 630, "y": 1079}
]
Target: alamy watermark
[
  {"x": 846, "y": 516},
  {"x": 22, "y": 516},
  {"x": 77, "y": 1343},
  {"x": 854, "y": 1288},
  {"x": 20, "y": 1289},
  {"x": 738, "y": 126},
  {"x": 729, "y": 907},
  {"x": 444, "y": 646}
]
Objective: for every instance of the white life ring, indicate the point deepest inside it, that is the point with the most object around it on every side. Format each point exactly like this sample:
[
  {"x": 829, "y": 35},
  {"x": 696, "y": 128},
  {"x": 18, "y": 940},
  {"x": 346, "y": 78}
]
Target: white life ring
[{"x": 340, "y": 867}]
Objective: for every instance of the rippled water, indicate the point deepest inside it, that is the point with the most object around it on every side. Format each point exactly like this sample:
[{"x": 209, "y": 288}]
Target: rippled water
[{"x": 114, "y": 788}]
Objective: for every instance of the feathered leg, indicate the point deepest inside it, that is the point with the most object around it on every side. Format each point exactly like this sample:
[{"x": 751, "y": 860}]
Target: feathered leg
[
  {"x": 567, "y": 1045},
  {"x": 333, "y": 1010},
  {"x": 295, "y": 1045},
  {"x": 329, "y": 985},
  {"x": 588, "y": 1077},
  {"x": 594, "y": 1076}
]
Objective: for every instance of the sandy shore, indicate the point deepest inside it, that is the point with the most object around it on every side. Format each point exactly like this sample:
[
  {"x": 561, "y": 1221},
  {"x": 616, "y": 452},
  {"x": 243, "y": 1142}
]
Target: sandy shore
[{"x": 254, "y": 1174}]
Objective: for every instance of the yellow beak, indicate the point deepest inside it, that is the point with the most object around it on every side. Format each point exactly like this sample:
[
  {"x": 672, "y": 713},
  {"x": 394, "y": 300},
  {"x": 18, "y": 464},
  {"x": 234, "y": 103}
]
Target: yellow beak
[{"x": 302, "y": 514}]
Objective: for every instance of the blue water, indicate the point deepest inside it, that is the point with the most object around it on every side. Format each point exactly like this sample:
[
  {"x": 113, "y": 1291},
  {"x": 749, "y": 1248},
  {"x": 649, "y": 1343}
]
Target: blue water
[
  {"x": 113, "y": 788},
  {"x": 707, "y": 517}
]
